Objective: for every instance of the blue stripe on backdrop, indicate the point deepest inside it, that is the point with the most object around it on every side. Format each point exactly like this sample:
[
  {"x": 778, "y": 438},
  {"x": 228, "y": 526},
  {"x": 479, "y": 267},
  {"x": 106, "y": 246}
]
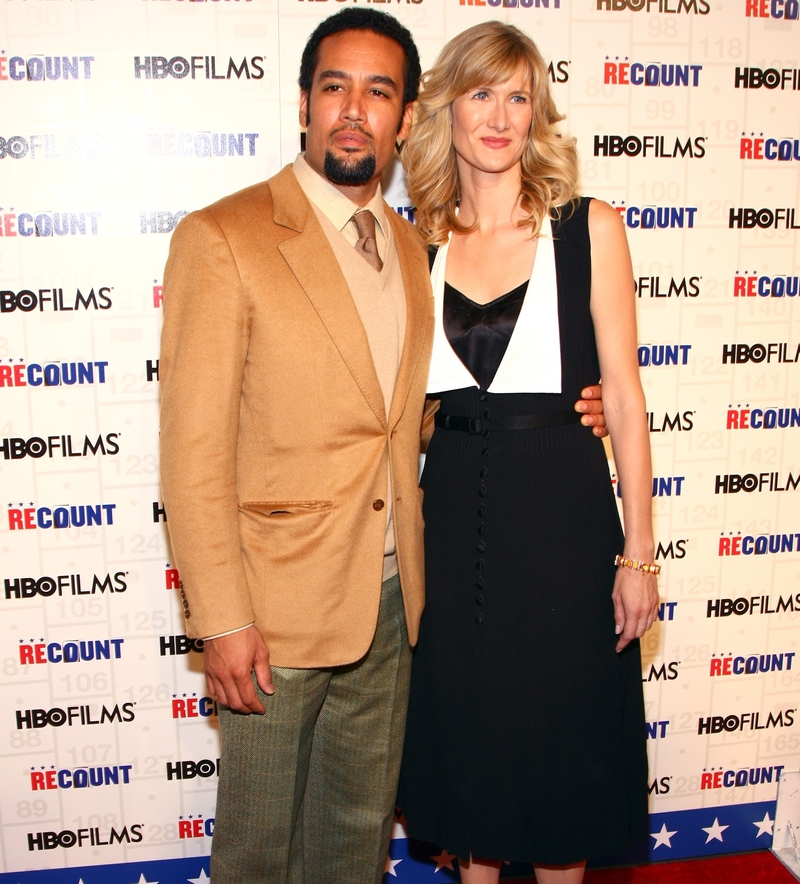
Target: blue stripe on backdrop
[{"x": 681, "y": 834}]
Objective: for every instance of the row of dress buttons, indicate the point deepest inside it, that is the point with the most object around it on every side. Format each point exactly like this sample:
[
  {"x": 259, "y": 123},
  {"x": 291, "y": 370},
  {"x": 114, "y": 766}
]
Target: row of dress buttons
[{"x": 481, "y": 547}]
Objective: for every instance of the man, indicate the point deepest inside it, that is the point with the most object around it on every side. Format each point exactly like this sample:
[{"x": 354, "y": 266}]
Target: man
[{"x": 294, "y": 359}]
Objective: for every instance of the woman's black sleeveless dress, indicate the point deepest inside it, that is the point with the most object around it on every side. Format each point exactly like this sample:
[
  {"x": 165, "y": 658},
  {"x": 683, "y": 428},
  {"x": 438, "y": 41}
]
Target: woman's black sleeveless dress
[{"x": 525, "y": 738}]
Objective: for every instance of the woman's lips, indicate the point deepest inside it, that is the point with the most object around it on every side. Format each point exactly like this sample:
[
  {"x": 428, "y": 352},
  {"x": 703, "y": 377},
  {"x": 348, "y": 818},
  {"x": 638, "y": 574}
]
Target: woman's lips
[{"x": 496, "y": 143}]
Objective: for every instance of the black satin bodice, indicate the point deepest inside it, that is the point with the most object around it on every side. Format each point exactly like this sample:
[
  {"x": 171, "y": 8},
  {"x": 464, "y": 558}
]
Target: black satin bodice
[{"x": 479, "y": 333}]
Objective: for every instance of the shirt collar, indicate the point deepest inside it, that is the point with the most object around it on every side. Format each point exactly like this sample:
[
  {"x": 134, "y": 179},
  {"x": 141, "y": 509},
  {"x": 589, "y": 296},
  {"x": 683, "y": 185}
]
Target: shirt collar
[{"x": 336, "y": 207}]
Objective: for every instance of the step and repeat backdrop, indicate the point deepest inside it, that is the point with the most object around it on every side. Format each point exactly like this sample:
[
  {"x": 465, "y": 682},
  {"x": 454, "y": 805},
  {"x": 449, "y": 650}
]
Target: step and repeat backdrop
[{"x": 119, "y": 117}]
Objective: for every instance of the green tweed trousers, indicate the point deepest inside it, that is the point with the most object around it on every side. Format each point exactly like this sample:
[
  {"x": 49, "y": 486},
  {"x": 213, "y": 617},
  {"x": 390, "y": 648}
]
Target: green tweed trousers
[{"x": 307, "y": 790}]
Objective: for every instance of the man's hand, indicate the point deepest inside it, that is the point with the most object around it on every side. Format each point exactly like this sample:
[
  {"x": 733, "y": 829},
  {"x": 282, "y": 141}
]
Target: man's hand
[
  {"x": 591, "y": 405},
  {"x": 228, "y": 662},
  {"x": 635, "y": 600}
]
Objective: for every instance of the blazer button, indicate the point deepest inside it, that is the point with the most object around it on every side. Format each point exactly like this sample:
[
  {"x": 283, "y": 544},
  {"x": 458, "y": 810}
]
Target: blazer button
[{"x": 378, "y": 504}]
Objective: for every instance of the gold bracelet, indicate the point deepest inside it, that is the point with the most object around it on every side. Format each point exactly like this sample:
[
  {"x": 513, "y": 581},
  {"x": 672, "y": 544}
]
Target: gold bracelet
[{"x": 636, "y": 565}]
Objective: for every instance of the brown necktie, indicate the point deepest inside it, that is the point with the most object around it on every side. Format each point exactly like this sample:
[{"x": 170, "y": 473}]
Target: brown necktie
[{"x": 367, "y": 245}]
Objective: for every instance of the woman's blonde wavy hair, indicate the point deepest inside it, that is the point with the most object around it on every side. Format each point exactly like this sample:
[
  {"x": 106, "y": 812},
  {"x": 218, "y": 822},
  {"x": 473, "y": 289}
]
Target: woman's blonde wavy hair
[{"x": 484, "y": 55}]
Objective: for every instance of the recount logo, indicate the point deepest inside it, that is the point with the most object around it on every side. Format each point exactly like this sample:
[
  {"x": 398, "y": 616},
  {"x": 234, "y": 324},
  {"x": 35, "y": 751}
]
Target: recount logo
[
  {"x": 783, "y": 150},
  {"x": 730, "y": 778},
  {"x": 80, "y": 777},
  {"x": 161, "y": 221},
  {"x": 17, "y": 448},
  {"x": 510, "y": 4},
  {"x": 188, "y": 770},
  {"x": 52, "y": 374},
  {"x": 680, "y": 422},
  {"x": 696, "y": 7},
  {"x": 762, "y": 418},
  {"x": 727, "y": 664},
  {"x": 655, "y": 146},
  {"x": 664, "y": 672},
  {"x": 656, "y": 730},
  {"x": 92, "y": 837},
  {"x": 787, "y": 9},
  {"x": 755, "y": 604},
  {"x": 635, "y": 73},
  {"x": 70, "y": 652},
  {"x": 733, "y": 483},
  {"x": 27, "y": 300},
  {"x": 718, "y": 724},
  {"x": 49, "y": 223},
  {"x": 192, "y": 706},
  {"x": 769, "y": 78},
  {"x": 52, "y": 147},
  {"x": 172, "y": 645},
  {"x": 664, "y": 354},
  {"x": 172, "y": 578},
  {"x": 201, "y": 144},
  {"x": 656, "y": 217},
  {"x": 663, "y": 486},
  {"x": 30, "y": 587},
  {"x": 195, "y": 826},
  {"x": 650, "y": 286},
  {"x": 74, "y": 715},
  {"x": 45, "y": 67},
  {"x": 760, "y": 545},
  {"x": 763, "y": 218},
  {"x": 62, "y": 516},
  {"x": 158, "y": 67},
  {"x": 749, "y": 285}
]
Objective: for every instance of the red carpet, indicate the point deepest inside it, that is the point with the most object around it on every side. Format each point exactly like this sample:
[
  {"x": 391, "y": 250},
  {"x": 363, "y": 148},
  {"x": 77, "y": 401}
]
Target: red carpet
[{"x": 741, "y": 868}]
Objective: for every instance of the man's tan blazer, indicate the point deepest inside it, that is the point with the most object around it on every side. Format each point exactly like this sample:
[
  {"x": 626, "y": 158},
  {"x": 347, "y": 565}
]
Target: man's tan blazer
[{"x": 274, "y": 436}]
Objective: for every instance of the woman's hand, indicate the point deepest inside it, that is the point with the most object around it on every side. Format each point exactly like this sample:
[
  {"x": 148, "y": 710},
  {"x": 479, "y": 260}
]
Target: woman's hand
[{"x": 635, "y": 600}]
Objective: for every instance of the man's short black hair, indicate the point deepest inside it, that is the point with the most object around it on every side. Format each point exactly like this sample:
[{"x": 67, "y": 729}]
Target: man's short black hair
[{"x": 356, "y": 18}]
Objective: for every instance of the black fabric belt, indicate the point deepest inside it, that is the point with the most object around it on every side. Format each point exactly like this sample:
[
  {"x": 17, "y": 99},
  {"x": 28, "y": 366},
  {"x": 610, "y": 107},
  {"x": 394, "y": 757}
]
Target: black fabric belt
[{"x": 476, "y": 426}]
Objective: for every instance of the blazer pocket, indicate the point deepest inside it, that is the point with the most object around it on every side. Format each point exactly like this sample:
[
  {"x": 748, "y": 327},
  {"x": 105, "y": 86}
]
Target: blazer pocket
[{"x": 278, "y": 508}]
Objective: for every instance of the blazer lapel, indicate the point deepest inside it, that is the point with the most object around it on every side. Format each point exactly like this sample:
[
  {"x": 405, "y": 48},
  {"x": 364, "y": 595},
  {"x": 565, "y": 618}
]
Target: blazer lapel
[
  {"x": 419, "y": 307},
  {"x": 315, "y": 267}
]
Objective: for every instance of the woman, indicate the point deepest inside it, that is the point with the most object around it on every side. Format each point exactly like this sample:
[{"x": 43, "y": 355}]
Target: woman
[{"x": 525, "y": 736}]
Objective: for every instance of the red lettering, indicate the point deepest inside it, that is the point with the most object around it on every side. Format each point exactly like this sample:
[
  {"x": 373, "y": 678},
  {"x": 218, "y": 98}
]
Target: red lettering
[
  {"x": 173, "y": 578},
  {"x": 746, "y": 149},
  {"x": 610, "y": 72},
  {"x": 8, "y": 225},
  {"x": 623, "y": 73},
  {"x": 184, "y": 826},
  {"x": 197, "y": 828},
  {"x": 5, "y": 376},
  {"x": 37, "y": 780},
  {"x": 38, "y": 650},
  {"x": 158, "y": 295},
  {"x": 179, "y": 708},
  {"x": 50, "y": 780},
  {"x": 717, "y": 780},
  {"x": 758, "y": 148},
  {"x": 26, "y": 653},
  {"x": 751, "y": 286},
  {"x": 705, "y": 781},
  {"x": 716, "y": 666},
  {"x": 724, "y": 550},
  {"x": 736, "y": 546},
  {"x": 745, "y": 421},
  {"x": 19, "y": 376},
  {"x": 30, "y": 517},
  {"x": 751, "y": 9},
  {"x": 727, "y": 664},
  {"x": 733, "y": 419},
  {"x": 739, "y": 287},
  {"x": 191, "y": 708},
  {"x": 763, "y": 11},
  {"x": 14, "y": 520},
  {"x": 3, "y": 71}
]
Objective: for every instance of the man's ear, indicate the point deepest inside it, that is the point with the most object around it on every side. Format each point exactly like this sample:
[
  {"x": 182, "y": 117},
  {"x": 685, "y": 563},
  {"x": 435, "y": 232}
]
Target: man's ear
[
  {"x": 405, "y": 122},
  {"x": 304, "y": 109}
]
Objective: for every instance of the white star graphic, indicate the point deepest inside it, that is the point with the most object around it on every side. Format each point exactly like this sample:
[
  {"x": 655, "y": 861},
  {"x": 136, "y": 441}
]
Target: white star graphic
[
  {"x": 443, "y": 861},
  {"x": 143, "y": 880},
  {"x": 764, "y": 826},
  {"x": 201, "y": 879},
  {"x": 389, "y": 867},
  {"x": 714, "y": 831},
  {"x": 663, "y": 837}
]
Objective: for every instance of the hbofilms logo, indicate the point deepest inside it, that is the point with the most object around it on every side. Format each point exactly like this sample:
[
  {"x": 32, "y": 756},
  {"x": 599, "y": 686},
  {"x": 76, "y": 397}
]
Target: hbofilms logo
[
  {"x": 159, "y": 67},
  {"x": 64, "y": 584},
  {"x": 654, "y": 146},
  {"x": 696, "y": 7},
  {"x": 748, "y": 218},
  {"x": 28, "y": 300},
  {"x": 18, "y": 448},
  {"x": 50, "y": 146},
  {"x": 653, "y": 287}
]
